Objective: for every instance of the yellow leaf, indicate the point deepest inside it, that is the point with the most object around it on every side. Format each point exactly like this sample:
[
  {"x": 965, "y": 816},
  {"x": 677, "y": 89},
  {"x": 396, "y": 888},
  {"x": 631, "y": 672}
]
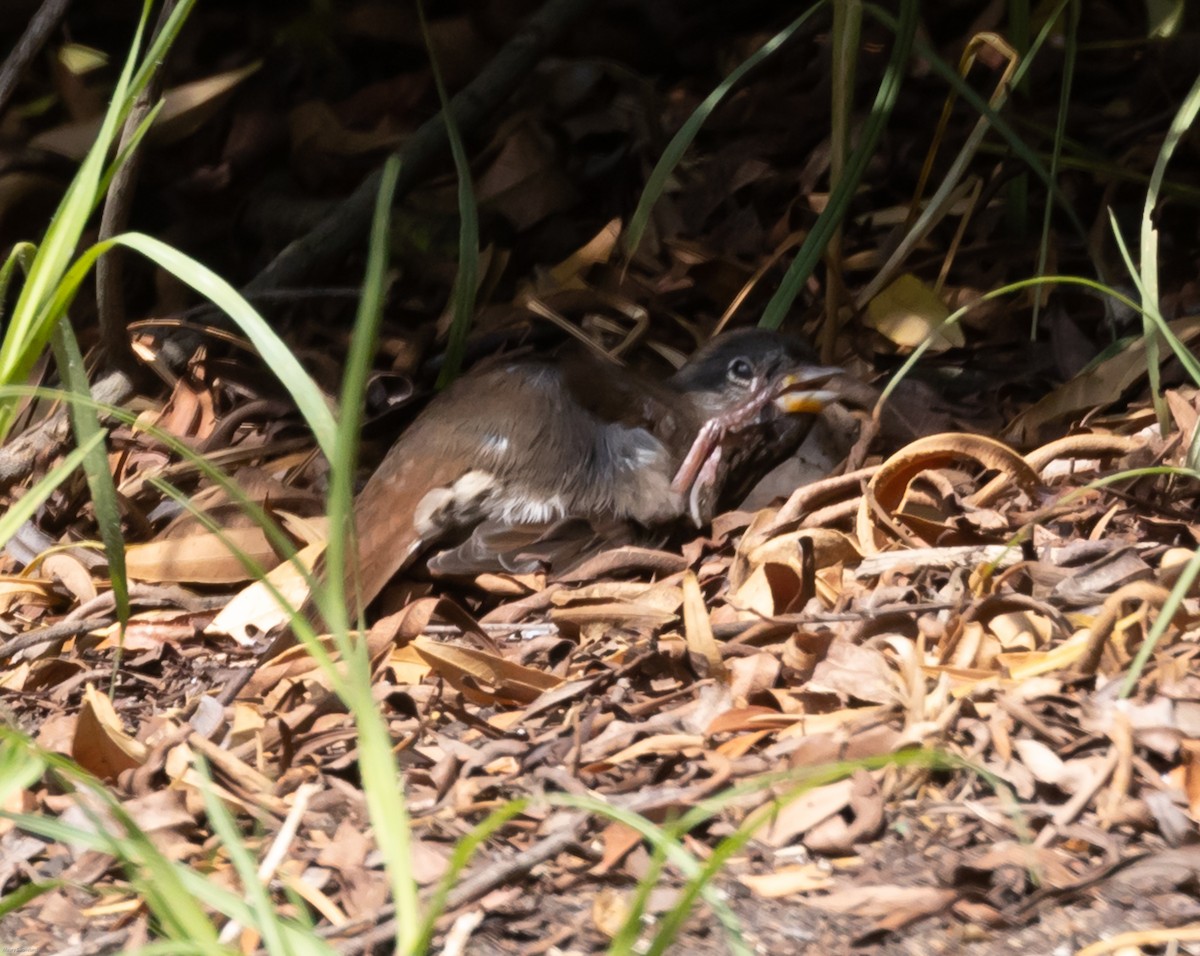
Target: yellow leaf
[{"x": 908, "y": 312}]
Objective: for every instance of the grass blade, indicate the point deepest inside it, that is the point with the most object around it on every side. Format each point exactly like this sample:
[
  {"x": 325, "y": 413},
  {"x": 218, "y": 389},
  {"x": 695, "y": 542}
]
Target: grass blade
[
  {"x": 462, "y": 296},
  {"x": 100, "y": 481},
  {"x": 656, "y": 184},
  {"x": 839, "y": 197}
]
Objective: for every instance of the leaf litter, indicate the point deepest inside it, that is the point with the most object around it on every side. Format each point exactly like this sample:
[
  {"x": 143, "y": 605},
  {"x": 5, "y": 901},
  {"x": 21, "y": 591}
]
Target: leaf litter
[{"x": 983, "y": 598}]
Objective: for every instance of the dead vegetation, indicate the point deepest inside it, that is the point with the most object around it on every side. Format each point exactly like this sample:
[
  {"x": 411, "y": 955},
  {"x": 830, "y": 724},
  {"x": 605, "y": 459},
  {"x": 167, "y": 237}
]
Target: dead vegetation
[{"x": 957, "y": 630}]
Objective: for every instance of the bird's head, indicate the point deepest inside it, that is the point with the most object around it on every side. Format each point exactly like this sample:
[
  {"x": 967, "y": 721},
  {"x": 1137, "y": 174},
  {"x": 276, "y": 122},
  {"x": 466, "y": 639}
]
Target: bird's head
[{"x": 755, "y": 393}]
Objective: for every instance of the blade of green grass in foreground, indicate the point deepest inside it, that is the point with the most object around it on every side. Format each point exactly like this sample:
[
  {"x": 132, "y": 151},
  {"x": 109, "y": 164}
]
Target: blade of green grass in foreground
[
  {"x": 100, "y": 481},
  {"x": 270, "y": 347},
  {"x": 1152, "y": 316},
  {"x": 27, "y": 505},
  {"x": 158, "y": 879},
  {"x": 383, "y": 786},
  {"x": 955, "y": 316},
  {"x": 275, "y": 535},
  {"x": 1070, "y": 50},
  {"x": 267, "y": 921},
  {"x": 997, "y": 122},
  {"x": 1166, "y": 615},
  {"x": 464, "y": 849},
  {"x": 40, "y": 304}
]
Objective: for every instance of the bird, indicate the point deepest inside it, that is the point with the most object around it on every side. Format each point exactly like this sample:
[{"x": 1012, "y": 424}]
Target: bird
[{"x": 531, "y": 460}]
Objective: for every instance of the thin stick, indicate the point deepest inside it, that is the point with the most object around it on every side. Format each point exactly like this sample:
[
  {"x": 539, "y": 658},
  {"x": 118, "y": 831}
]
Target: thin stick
[{"x": 32, "y": 40}]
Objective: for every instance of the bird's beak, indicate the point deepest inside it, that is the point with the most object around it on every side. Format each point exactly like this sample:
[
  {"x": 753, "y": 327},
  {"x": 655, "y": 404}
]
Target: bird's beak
[{"x": 795, "y": 395}]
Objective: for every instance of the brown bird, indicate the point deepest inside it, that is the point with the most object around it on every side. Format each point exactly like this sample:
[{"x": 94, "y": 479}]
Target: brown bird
[{"x": 503, "y": 469}]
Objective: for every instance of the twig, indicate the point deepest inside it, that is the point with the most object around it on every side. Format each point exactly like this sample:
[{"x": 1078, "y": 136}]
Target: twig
[
  {"x": 152, "y": 595},
  {"x": 32, "y": 40},
  {"x": 118, "y": 203},
  {"x": 55, "y": 632},
  {"x": 481, "y": 881}
]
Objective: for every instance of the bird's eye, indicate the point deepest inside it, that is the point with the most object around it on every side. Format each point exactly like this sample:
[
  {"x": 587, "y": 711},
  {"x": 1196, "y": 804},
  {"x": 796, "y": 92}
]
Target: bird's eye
[{"x": 740, "y": 372}]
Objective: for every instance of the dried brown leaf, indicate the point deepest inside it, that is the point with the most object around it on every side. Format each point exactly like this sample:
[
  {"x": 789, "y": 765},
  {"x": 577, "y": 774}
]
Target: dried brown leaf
[
  {"x": 483, "y": 677},
  {"x": 698, "y": 631},
  {"x": 101, "y": 746}
]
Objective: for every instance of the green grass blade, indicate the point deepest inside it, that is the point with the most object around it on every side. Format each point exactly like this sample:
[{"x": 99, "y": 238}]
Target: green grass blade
[
  {"x": 162, "y": 40},
  {"x": 1002, "y": 127},
  {"x": 270, "y": 346},
  {"x": 266, "y": 922},
  {"x": 839, "y": 197},
  {"x": 27, "y": 505},
  {"x": 955, "y": 316},
  {"x": 656, "y": 184},
  {"x": 358, "y": 366},
  {"x": 1180, "y": 124},
  {"x": 275, "y": 534},
  {"x": 39, "y": 305},
  {"x": 20, "y": 767},
  {"x": 1016, "y": 205},
  {"x": 625, "y": 942},
  {"x": 1070, "y": 51},
  {"x": 302, "y": 629},
  {"x": 462, "y": 296},
  {"x": 464, "y": 849},
  {"x": 70, "y": 218},
  {"x": 157, "y": 878},
  {"x": 135, "y": 140},
  {"x": 24, "y": 895},
  {"x": 1165, "y": 616},
  {"x": 384, "y": 793},
  {"x": 1151, "y": 314},
  {"x": 21, "y": 255},
  {"x": 100, "y": 481},
  {"x": 659, "y": 838}
]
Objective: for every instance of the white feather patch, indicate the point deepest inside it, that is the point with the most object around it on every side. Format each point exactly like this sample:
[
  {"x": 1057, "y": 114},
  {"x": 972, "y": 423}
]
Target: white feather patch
[
  {"x": 461, "y": 502},
  {"x": 533, "y": 510}
]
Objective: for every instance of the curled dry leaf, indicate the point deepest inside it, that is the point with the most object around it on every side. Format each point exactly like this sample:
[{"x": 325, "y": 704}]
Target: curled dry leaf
[
  {"x": 887, "y": 488},
  {"x": 100, "y": 745},
  {"x": 771, "y": 589},
  {"x": 72, "y": 574}
]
